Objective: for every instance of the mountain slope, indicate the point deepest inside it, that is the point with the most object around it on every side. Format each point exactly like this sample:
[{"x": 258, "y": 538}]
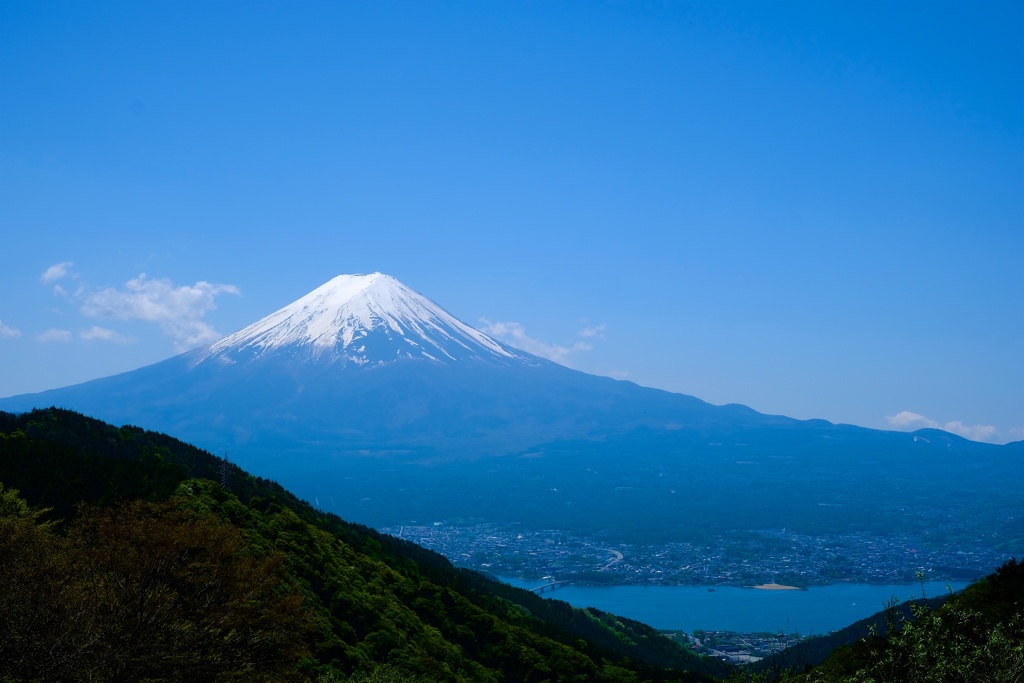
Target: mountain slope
[{"x": 355, "y": 599}]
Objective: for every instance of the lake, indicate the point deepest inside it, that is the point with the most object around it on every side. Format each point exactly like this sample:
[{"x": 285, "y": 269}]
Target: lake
[{"x": 817, "y": 610}]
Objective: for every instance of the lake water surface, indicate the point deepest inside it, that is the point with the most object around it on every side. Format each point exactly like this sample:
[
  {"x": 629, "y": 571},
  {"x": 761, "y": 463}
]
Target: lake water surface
[{"x": 817, "y": 610}]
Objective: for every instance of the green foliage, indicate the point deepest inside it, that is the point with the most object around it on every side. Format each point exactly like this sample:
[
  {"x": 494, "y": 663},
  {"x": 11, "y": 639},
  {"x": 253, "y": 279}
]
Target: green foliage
[
  {"x": 161, "y": 570},
  {"x": 975, "y": 636},
  {"x": 141, "y": 590}
]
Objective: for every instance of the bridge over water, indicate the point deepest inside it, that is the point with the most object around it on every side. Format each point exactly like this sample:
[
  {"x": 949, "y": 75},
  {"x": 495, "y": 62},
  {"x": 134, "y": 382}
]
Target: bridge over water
[{"x": 549, "y": 586}]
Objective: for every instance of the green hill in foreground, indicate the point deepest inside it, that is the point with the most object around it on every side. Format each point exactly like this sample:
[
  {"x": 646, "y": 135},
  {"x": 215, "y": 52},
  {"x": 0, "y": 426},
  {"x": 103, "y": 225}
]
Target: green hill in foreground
[{"x": 127, "y": 555}]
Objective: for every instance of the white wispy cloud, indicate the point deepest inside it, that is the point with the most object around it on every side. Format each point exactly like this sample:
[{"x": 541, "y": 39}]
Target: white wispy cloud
[
  {"x": 908, "y": 422},
  {"x": 8, "y": 332},
  {"x": 55, "y": 272},
  {"x": 97, "y": 333},
  {"x": 972, "y": 432},
  {"x": 514, "y": 334},
  {"x": 178, "y": 310},
  {"x": 55, "y": 335}
]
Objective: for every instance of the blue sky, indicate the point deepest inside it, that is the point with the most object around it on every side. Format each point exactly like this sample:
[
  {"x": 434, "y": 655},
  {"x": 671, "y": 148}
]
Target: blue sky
[{"x": 815, "y": 209}]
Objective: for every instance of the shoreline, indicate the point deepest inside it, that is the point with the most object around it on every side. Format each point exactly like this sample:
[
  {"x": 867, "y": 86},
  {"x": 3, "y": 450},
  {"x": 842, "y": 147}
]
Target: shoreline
[{"x": 583, "y": 583}]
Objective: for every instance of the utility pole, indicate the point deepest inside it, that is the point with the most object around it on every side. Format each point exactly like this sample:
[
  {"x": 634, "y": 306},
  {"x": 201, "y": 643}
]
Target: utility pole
[{"x": 225, "y": 473}]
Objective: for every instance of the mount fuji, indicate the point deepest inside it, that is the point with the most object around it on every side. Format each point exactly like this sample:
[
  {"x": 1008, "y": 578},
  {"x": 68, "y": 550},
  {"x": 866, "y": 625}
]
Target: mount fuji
[
  {"x": 366, "y": 392},
  {"x": 366, "y": 364},
  {"x": 364, "y": 320}
]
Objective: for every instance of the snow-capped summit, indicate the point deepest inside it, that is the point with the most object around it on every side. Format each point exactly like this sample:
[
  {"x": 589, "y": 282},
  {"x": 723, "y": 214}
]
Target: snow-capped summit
[{"x": 361, "y": 319}]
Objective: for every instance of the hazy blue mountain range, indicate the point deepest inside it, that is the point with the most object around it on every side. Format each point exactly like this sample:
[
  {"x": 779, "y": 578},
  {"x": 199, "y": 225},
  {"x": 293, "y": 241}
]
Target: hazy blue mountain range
[{"x": 367, "y": 394}]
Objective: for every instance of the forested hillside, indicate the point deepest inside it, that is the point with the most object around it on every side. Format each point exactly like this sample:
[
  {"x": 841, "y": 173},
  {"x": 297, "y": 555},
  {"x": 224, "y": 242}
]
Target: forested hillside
[{"x": 129, "y": 555}]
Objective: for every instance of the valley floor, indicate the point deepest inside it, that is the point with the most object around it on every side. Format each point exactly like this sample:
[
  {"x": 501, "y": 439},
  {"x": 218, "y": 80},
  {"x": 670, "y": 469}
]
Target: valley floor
[{"x": 747, "y": 559}]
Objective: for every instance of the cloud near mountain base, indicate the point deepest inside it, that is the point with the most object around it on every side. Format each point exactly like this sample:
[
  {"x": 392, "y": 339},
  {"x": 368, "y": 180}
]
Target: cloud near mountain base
[
  {"x": 907, "y": 421},
  {"x": 514, "y": 334}
]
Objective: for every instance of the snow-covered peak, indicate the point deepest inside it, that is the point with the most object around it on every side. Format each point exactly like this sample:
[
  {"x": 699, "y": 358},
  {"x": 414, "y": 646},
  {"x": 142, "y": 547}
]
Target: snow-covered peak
[{"x": 361, "y": 319}]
